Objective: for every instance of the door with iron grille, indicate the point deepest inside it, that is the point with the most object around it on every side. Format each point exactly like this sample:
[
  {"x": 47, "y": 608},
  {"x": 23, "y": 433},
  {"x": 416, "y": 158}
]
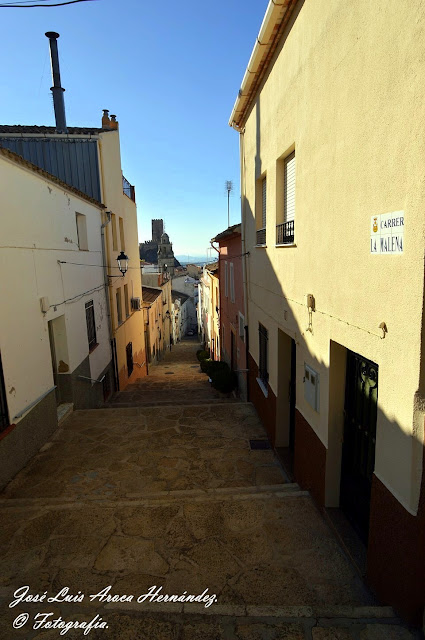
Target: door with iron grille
[
  {"x": 4, "y": 415},
  {"x": 358, "y": 449}
]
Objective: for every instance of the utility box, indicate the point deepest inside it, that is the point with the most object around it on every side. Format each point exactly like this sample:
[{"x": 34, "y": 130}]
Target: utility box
[{"x": 311, "y": 387}]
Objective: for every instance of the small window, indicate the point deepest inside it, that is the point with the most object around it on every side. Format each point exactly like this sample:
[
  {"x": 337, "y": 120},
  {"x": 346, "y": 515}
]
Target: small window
[
  {"x": 114, "y": 232},
  {"x": 82, "y": 232},
  {"x": 226, "y": 280},
  {"x": 126, "y": 303},
  {"x": 263, "y": 336},
  {"x": 122, "y": 239},
  {"x": 232, "y": 283},
  {"x": 285, "y": 208},
  {"x": 91, "y": 325},
  {"x": 119, "y": 307}
]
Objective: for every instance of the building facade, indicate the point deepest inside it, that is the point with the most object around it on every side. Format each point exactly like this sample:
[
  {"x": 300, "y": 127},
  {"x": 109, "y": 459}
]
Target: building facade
[
  {"x": 331, "y": 142},
  {"x": 89, "y": 160},
  {"x": 233, "y": 339},
  {"x": 54, "y": 336}
]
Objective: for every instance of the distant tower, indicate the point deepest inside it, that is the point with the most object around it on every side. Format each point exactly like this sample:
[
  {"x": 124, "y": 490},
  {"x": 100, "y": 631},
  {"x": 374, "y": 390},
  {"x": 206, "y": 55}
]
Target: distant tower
[
  {"x": 165, "y": 254},
  {"x": 157, "y": 230}
]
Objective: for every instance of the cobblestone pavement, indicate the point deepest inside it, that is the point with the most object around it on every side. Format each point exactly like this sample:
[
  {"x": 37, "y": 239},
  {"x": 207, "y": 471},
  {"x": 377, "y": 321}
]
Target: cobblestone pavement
[
  {"x": 127, "y": 501},
  {"x": 177, "y": 379}
]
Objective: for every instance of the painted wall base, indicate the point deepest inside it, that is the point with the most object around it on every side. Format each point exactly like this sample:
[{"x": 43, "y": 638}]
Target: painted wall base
[{"x": 19, "y": 444}]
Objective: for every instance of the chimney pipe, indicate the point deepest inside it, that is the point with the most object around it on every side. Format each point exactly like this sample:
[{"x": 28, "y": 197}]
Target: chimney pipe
[{"x": 57, "y": 90}]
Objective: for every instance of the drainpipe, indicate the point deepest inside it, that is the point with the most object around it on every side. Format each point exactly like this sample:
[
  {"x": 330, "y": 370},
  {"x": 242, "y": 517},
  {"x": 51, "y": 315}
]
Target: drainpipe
[
  {"x": 108, "y": 304},
  {"x": 244, "y": 254}
]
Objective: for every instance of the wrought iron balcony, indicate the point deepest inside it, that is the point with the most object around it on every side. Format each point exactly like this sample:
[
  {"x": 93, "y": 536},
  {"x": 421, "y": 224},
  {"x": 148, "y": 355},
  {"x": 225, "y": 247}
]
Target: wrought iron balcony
[
  {"x": 285, "y": 233},
  {"x": 261, "y": 236},
  {"x": 128, "y": 189}
]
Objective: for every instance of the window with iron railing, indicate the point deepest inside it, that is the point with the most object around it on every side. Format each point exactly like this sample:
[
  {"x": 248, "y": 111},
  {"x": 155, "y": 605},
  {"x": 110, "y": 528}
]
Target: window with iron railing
[
  {"x": 285, "y": 210},
  {"x": 128, "y": 189}
]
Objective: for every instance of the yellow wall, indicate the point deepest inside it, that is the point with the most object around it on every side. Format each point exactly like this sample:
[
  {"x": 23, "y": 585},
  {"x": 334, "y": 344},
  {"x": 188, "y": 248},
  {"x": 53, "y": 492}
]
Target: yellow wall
[
  {"x": 346, "y": 91},
  {"x": 132, "y": 328}
]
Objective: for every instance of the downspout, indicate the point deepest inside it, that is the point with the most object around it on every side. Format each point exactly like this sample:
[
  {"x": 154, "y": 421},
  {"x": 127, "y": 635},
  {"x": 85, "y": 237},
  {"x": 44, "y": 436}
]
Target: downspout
[
  {"x": 108, "y": 304},
  {"x": 244, "y": 253}
]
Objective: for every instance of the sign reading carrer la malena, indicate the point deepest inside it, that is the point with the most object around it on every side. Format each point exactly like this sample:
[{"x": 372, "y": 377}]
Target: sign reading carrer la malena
[{"x": 387, "y": 232}]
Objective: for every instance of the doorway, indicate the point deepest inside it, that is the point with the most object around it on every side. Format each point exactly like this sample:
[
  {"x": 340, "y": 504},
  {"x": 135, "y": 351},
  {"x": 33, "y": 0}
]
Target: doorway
[
  {"x": 286, "y": 399},
  {"x": 358, "y": 448},
  {"x": 4, "y": 413},
  {"x": 59, "y": 355}
]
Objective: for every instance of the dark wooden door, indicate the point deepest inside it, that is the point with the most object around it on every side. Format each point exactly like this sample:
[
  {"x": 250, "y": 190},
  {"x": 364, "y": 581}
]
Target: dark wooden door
[
  {"x": 4, "y": 414},
  {"x": 358, "y": 449},
  {"x": 232, "y": 351},
  {"x": 292, "y": 396}
]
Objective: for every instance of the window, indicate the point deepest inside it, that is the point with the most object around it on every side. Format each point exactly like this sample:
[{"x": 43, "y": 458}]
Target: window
[
  {"x": 119, "y": 307},
  {"x": 232, "y": 283},
  {"x": 122, "y": 240},
  {"x": 114, "y": 232},
  {"x": 82, "y": 232},
  {"x": 226, "y": 279},
  {"x": 286, "y": 207},
  {"x": 241, "y": 326},
  {"x": 261, "y": 210},
  {"x": 129, "y": 355},
  {"x": 127, "y": 306},
  {"x": 91, "y": 325},
  {"x": 263, "y": 202},
  {"x": 263, "y": 336}
]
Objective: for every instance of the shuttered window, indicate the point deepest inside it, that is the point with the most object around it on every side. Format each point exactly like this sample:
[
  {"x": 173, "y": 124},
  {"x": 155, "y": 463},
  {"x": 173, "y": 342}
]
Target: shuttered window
[
  {"x": 289, "y": 189},
  {"x": 264, "y": 202},
  {"x": 232, "y": 283},
  {"x": 91, "y": 324}
]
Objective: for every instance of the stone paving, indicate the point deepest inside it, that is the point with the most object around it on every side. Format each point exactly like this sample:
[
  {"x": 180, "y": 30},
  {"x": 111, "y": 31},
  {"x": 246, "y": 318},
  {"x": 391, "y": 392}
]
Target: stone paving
[{"x": 127, "y": 501}]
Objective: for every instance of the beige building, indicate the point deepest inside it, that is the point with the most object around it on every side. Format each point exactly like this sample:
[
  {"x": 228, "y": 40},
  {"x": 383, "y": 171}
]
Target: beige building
[
  {"x": 209, "y": 309},
  {"x": 154, "y": 327},
  {"x": 55, "y": 353},
  {"x": 153, "y": 278},
  {"x": 332, "y": 154}
]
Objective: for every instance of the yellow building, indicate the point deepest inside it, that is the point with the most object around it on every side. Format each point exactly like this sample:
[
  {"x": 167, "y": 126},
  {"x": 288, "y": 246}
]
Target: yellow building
[
  {"x": 332, "y": 154},
  {"x": 120, "y": 229}
]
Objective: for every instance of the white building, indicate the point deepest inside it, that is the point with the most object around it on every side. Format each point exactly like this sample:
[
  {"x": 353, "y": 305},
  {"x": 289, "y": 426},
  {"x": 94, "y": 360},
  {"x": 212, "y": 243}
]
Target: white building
[{"x": 54, "y": 335}]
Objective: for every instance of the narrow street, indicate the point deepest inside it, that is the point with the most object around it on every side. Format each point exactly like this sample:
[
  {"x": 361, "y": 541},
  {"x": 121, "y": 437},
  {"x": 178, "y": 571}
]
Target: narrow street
[{"x": 162, "y": 488}]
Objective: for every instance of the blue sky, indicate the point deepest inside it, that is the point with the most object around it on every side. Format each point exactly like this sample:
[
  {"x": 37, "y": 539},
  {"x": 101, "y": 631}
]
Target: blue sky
[{"x": 170, "y": 71}]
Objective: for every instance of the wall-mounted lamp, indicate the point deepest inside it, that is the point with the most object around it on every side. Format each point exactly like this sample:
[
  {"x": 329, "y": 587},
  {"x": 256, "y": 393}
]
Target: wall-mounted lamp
[{"x": 122, "y": 260}]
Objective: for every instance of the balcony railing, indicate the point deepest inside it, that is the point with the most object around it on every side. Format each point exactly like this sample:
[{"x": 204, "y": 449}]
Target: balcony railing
[
  {"x": 285, "y": 233},
  {"x": 261, "y": 236},
  {"x": 128, "y": 189}
]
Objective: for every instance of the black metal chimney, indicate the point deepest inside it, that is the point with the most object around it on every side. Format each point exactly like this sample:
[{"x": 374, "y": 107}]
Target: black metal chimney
[{"x": 57, "y": 90}]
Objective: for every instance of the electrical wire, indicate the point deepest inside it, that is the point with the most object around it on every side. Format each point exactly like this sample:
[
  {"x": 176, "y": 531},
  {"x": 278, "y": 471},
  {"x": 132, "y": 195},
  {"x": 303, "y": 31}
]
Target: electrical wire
[
  {"x": 16, "y": 5},
  {"x": 80, "y": 295}
]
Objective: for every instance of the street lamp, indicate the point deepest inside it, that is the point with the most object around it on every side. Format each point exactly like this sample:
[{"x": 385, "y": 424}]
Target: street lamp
[{"x": 122, "y": 260}]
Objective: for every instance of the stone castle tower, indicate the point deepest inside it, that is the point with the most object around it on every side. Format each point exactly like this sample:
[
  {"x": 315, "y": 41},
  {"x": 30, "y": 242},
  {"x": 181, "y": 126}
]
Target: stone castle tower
[
  {"x": 165, "y": 254},
  {"x": 157, "y": 230}
]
